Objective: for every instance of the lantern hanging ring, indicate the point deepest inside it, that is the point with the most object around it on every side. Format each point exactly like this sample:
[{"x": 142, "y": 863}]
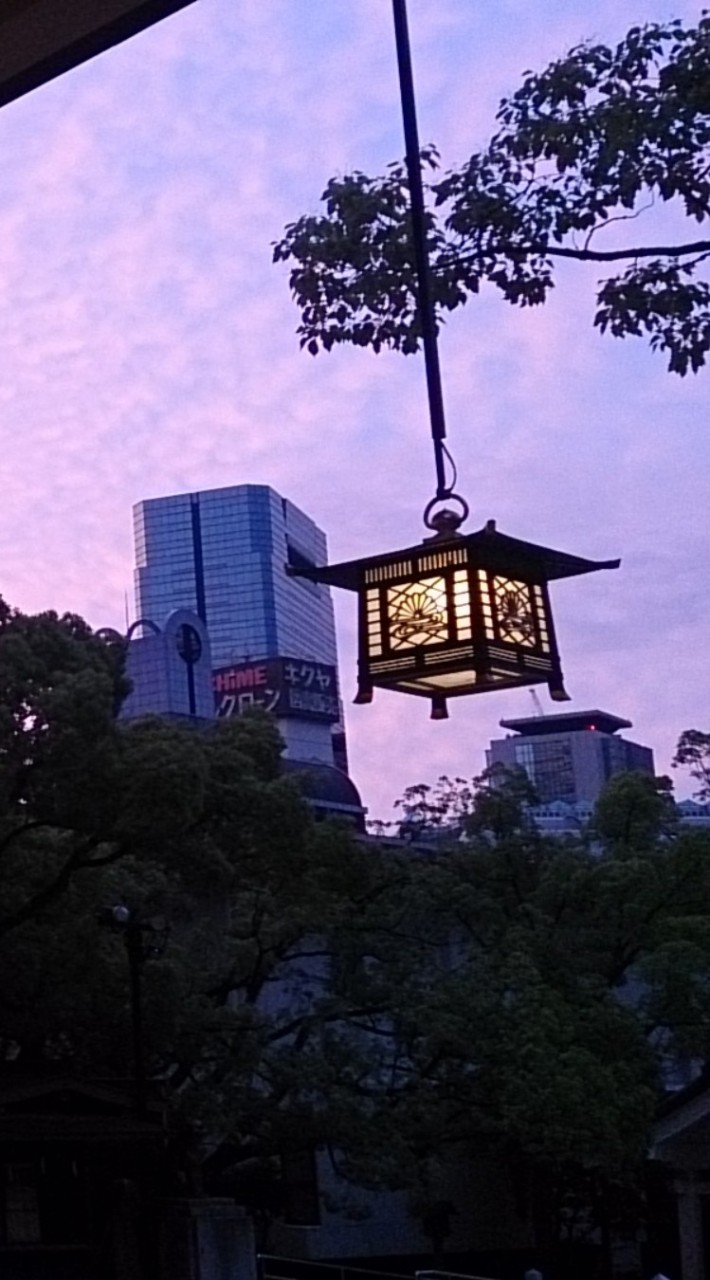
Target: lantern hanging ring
[{"x": 445, "y": 521}]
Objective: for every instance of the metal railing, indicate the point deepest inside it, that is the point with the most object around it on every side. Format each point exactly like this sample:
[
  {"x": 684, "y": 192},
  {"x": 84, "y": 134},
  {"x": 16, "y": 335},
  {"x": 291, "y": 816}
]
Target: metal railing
[
  {"x": 272, "y": 1267},
  {"x": 448, "y": 1275}
]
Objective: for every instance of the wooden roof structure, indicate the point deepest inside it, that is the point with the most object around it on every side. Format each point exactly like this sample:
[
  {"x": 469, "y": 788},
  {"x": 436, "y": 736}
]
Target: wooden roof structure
[{"x": 41, "y": 39}]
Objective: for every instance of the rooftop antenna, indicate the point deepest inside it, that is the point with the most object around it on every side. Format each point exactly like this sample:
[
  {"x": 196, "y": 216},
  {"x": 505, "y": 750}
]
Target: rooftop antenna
[{"x": 539, "y": 709}]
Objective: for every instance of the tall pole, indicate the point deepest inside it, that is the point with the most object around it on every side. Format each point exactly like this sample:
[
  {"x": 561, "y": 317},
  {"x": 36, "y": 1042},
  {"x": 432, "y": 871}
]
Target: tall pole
[
  {"x": 134, "y": 951},
  {"x": 122, "y": 919},
  {"x": 427, "y": 317}
]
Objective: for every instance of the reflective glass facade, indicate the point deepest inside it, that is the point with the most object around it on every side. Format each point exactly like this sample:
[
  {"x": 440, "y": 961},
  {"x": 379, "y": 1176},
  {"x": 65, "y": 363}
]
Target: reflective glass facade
[
  {"x": 168, "y": 677},
  {"x": 549, "y": 765},
  {"x": 223, "y": 553}
]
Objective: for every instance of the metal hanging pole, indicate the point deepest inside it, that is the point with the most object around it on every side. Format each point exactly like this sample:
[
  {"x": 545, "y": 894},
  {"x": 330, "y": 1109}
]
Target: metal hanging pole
[{"x": 426, "y": 307}]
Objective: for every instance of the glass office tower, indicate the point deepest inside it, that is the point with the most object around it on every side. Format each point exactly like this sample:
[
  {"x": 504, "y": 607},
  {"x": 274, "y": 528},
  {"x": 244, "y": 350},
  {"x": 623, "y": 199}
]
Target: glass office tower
[{"x": 223, "y": 553}]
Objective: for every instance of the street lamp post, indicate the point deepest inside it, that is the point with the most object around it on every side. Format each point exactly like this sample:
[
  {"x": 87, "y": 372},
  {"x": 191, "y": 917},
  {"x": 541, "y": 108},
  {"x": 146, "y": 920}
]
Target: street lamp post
[{"x": 142, "y": 938}]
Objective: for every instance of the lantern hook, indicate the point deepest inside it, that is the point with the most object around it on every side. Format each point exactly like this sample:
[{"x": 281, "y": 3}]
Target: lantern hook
[{"x": 445, "y": 523}]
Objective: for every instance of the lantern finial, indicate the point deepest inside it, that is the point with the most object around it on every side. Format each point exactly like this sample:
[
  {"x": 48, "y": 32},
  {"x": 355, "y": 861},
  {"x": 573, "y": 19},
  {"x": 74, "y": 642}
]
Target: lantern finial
[{"x": 446, "y": 523}]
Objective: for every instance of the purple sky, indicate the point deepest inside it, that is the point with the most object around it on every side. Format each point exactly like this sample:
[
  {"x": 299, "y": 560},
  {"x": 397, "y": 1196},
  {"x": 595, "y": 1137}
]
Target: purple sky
[{"x": 148, "y": 348}]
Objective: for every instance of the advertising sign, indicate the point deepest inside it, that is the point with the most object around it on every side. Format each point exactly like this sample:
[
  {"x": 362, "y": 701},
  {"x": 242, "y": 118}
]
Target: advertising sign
[{"x": 286, "y": 686}]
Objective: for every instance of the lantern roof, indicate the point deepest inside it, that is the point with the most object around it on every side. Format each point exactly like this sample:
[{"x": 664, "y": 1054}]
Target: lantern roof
[{"x": 489, "y": 549}]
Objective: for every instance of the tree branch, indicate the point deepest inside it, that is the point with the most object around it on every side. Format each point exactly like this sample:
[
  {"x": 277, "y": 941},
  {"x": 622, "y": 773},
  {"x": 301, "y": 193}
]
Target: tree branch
[
  {"x": 590, "y": 255},
  {"x": 344, "y": 1015},
  {"x": 47, "y": 895},
  {"x": 19, "y": 831}
]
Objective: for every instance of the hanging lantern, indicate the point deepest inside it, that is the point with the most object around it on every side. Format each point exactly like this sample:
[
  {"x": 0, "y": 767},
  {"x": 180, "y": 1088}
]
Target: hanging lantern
[{"x": 457, "y": 613}]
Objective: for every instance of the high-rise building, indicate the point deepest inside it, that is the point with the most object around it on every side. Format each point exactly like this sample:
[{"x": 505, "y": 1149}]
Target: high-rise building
[
  {"x": 223, "y": 553},
  {"x": 569, "y": 757}
]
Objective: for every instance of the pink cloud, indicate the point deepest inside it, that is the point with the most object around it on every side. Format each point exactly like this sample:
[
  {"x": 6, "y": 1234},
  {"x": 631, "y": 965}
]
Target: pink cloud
[{"x": 149, "y": 348}]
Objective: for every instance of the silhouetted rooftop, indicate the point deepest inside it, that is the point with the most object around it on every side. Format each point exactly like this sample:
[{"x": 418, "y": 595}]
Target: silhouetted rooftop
[
  {"x": 567, "y": 722},
  {"x": 327, "y": 788}
]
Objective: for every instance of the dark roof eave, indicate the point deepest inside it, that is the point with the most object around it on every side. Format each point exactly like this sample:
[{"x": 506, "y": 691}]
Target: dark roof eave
[
  {"x": 565, "y": 721},
  {"x": 35, "y": 48},
  {"x": 497, "y": 551}
]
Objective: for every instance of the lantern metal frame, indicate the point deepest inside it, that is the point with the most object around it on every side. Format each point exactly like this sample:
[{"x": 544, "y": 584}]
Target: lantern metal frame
[{"x": 456, "y": 614}]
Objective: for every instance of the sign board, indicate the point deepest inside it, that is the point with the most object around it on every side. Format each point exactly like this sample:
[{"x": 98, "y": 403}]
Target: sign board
[{"x": 290, "y": 687}]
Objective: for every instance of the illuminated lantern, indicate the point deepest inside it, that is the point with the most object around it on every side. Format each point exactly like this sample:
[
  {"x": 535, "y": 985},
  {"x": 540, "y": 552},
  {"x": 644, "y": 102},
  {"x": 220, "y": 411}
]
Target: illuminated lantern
[{"x": 456, "y": 614}]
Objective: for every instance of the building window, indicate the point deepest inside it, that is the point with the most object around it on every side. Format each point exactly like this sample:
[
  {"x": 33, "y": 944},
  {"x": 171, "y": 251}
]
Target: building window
[
  {"x": 297, "y": 559},
  {"x": 549, "y": 767}
]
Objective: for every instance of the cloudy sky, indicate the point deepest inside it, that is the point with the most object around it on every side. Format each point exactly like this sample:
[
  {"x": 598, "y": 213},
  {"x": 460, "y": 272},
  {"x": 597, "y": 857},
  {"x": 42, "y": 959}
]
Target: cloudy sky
[{"x": 148, "y": 348}]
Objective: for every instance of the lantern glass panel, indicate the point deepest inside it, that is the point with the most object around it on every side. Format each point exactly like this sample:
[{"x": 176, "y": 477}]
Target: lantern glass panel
[
  {"x": 444, "y": 682},
  {"x": 486, "y": 606},
  {"x": 417, "y": 613},
  {"x": 462, "y": 604},
  {"x": 542, "y": 620},
  {"x": 515, "y": 612},
  {"x": 374, "y": 622}
]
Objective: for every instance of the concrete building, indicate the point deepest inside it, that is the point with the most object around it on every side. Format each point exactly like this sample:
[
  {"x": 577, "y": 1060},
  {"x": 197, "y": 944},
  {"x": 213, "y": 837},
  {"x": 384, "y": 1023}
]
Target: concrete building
[
  {"x": 569, "y": 757},
  {"x": 223, "y": 553},
  {"x": 693, "y": 814}
]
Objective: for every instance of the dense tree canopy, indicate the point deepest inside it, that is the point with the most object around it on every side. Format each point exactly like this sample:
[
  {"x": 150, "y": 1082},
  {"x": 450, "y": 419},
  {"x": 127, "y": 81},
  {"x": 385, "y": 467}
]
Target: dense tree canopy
[
  {"x": 575, "y": 987},
  {"x": 474, "y": 981},
  {"x": 60, "y": 689},
  {"x": 592, "y": 951},
  {"x": 583, "y": 149},
  {"x": 253, "y": 1025}
]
